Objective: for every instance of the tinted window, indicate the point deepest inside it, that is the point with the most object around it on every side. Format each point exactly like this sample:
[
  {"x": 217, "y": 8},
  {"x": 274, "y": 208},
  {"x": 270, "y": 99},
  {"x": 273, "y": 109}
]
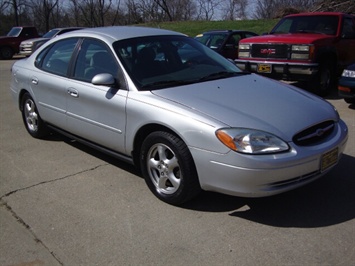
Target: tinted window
[
  {"x": 348, "y": 31},
  {"x": 308, "y": 24},
  {"x": 94, "y": 58},
  {"x": 27, "y": 32},
  {"x": 165, "y": 61},
  {"x": 247, "y": 35},
  {"x": 212, "y": 40},
  {"x": 50, "y": 34},
  {"x": 55, "y": 59},
  {"x": 14, "y": 32}
]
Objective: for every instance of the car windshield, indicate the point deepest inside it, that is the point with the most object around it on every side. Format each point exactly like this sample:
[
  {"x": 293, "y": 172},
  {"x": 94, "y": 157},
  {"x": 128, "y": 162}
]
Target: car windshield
[
  {"x": 308, "y": 24},
  {"x": 165, "y": 61},
  {"x": 14, "y": 32},
  {"x": 50, "y": 34},
  {"x": 212, "y": 40}
]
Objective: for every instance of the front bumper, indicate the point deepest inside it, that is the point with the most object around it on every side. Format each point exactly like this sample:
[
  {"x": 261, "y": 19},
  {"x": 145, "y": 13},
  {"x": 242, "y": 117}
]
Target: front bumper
[
  {"x": 346, "y": 88},
  {"x": 279, "y": 69},
  {"x": 265, "y": 175}
]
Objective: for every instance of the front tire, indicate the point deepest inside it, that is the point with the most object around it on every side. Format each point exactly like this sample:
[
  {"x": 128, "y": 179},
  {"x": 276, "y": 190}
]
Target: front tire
[
  {"x": 349, "y": 100},
  {"x": 326, "y": 78},
  {"x": 6, "y": 53},
  {"x": 168, "y": 168},
  {"x": 31, "y": 118}
]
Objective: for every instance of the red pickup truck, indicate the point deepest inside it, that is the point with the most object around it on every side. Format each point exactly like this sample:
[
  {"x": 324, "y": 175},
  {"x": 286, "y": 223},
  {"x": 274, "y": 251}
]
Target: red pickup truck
[
  {"x": 312, "y": 47},
  {"x": 9, "y": 44}
]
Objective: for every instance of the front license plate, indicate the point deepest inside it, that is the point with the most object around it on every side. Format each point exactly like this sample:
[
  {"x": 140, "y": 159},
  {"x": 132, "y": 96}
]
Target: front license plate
[
  {"x": 264, "y": 68},
  {"x": 329, "y": 159}
]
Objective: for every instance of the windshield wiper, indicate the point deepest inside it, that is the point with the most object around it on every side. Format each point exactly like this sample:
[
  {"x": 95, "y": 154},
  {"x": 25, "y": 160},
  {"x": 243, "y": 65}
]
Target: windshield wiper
[
  {"x": 222, "y": 74},
  {"x": 165, "y": 83}
]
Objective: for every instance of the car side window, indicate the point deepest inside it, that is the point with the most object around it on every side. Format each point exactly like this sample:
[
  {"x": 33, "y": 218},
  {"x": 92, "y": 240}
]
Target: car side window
[
  {"x": 56, "y": 58},
  {"x": 348, "y": 31},
  {"x": 94, "y": 58},
  {"x": 234, "y": 40},
  {"x": 27, "y": 32},
  {"x": 247, "y": 35}
]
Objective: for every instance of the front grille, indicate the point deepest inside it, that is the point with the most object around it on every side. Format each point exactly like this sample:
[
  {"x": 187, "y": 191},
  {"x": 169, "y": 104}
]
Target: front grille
[
  {"x": 276, "y": 51},
  {"x": 315, "y": 134}
]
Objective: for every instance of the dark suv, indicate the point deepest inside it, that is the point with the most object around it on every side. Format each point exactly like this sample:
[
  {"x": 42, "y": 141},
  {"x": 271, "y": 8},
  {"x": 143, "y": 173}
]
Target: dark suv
[{"x": 224, "y": 42}]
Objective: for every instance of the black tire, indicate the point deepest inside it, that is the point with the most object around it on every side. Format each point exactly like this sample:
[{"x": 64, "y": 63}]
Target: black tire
[
  {"x": 325, "y": 80},
  {"x": 31, "y": 118},
  {"x": 349, "y": 100},
  {"x": 6, "y": 53},
  {"x": 168, "y": 168}
]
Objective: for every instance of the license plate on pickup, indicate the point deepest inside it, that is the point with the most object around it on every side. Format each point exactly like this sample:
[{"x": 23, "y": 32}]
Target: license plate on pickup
[
  {"x": 264, "y": 68},
  {"x": 329, "y": 159}
]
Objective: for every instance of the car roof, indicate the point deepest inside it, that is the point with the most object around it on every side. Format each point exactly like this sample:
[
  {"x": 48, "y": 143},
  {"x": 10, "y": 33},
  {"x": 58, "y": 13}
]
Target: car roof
[
  {"x": 114, "y": 33},
  {"x": 225, "y": 31},
  {"x": 316, "y": 14},
  {"x": 67, "y": 28}
]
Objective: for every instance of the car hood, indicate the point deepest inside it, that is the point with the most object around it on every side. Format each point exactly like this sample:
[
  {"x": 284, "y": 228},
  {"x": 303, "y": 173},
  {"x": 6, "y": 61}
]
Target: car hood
[
  {"x": 8, "y": 38},
  {"x": 297, "y": 38},
  {"x": 252, "y": 101},
  {"x": 36, "y": 40}
]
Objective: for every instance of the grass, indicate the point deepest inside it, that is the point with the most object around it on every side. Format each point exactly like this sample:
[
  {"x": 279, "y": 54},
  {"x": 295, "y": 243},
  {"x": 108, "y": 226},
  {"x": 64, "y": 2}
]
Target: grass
[{"x": 192, "y": 28}]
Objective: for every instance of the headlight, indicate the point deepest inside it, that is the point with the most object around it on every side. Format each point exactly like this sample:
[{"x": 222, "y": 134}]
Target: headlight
[
  {"x": 302, "y": 52},
  {"x": 300, "y": 48},
  {"x": 348, "y": 73},
  {"x": 251, "y": 141},
  {"x": 243, "y": 54},
  {"x": 244, "y": 46},
  {"x": 299, "y": 56}
]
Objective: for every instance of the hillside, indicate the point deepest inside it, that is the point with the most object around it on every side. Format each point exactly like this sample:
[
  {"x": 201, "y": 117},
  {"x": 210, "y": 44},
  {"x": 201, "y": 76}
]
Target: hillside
[{"x": 192, "y": 28}]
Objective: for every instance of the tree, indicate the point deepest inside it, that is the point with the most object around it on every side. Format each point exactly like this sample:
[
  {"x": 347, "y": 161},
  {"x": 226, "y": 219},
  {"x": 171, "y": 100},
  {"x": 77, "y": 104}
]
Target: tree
[
  {"x": 267, "y": 9},
  {"x": 95, "y": 13},
  {"x": 175, "y": 10},
  {"x": 234, "y": 9},
  {"x": 207, "y": 8}
]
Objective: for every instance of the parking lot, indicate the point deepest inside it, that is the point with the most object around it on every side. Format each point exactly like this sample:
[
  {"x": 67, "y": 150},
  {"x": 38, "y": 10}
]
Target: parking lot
[{"x": 62, "y": 203}]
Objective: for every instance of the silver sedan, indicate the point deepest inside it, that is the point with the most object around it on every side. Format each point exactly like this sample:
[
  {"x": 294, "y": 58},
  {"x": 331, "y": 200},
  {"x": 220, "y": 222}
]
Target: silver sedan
[{"x": 183, "y": 114}]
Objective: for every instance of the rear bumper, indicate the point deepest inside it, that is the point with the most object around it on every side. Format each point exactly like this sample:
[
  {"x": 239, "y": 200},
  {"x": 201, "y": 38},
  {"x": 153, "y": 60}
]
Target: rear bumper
[{"x": 281, "y": 70}]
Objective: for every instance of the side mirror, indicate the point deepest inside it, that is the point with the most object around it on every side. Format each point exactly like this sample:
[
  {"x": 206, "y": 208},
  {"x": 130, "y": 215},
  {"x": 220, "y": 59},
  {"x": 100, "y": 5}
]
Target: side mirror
[{"x": 104, "y": 79}]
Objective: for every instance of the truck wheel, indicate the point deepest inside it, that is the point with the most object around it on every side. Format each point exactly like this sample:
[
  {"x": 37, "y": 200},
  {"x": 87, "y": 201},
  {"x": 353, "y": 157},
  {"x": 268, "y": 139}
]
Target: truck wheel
[
  {"x": 349, "y": 100},
  {"x": 168, "y": 168},
  {"x": 325, "y": 79},
  {"x": 6, "y": 53}
]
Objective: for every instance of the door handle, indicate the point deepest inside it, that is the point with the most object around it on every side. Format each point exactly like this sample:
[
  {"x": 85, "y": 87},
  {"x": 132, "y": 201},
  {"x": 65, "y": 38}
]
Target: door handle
[
  {"x": 34, "y": 81},
  {"x": 74, "y": 93}
]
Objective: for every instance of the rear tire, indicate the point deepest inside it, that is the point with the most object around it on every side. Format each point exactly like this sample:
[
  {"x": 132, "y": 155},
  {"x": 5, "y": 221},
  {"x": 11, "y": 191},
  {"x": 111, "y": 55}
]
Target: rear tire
[
  {"x": 168, "y": 168},
  {"x": 31, "y": 118},
  {"x": 6, "y": 53}
]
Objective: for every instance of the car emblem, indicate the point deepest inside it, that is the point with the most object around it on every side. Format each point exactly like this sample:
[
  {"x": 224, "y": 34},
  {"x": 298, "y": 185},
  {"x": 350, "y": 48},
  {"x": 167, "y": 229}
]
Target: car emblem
[
  {"x": 320, "y": 132},
  {"x": 267, "y": 51}
]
